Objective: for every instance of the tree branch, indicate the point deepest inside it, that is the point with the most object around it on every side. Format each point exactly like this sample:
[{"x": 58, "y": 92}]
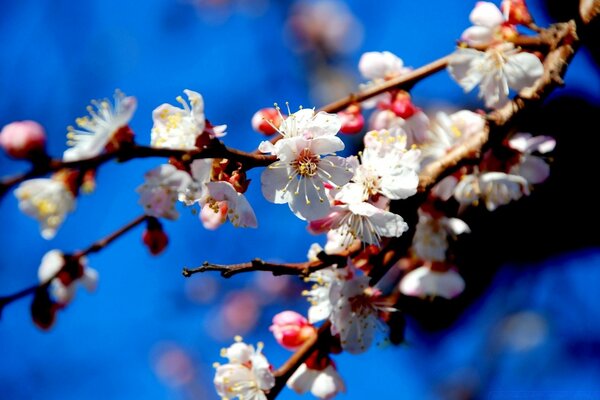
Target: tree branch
[{"x": 93, "y": 248}]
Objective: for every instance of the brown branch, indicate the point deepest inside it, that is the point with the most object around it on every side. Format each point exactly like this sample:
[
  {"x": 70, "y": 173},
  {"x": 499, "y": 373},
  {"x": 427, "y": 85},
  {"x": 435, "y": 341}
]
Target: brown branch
[
  {"x": 302, "y": 268},
  {"x": 402, "y": 82},
  {"x": 93, "y": 248},
  {"x": 215, "y": 149}
]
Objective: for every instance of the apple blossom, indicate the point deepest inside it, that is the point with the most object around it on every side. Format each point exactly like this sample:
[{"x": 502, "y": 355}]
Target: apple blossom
[{"x": 160, "y": 191}]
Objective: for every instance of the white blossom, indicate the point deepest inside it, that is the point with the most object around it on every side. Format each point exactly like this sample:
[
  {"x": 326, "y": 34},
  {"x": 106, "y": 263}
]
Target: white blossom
[
  {"x": 319, "y": 294},
  {"x": 431, "y": 235},
  {"x": 238, "y": 209},
  {"x": 448, "y": 131},
  {"x": 487, "y": 19},
  {"x": 178, "y": 128},
  {"x": 98, "y": 129},
  {"x": 416, "y": 127},
  {"x": 377, "y": 67},
  {"x": 161, "y": 189},
  {"x": 323, "y": 384},
  {"x": 52, "y": 262},
  {"x": 299, "y": 176},
  {"x": 495, "y": 71},
  {"x": 46, "y": 200},
  {"x": 247, "y": 374},
  {"x": 493, "y": 188},
  {"x": 423, "y": 282}
]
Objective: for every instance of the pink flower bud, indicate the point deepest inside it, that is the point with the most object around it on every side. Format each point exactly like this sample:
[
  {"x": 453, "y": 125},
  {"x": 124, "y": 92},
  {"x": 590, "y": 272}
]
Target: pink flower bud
[
  {"x": 403, "y": 106},
  {"x": 154, "y": 237},
  {"x": 352, "y": 120},
  {"x": 266, "y": 121},
  {"x": 291, "y": 329},
  {"x": 516, "y": 12},
  {"x": 23, "y": 139}
]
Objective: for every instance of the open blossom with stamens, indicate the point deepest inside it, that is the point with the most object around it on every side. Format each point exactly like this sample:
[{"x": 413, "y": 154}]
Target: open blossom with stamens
[
  {"x": 424, "y": 281},
  {"x": 48, "y": 201},
  {"x": 160, "y": 191},
  {"x": 415, "y": 127},
  {"x": 319, "y": 294},
  {"x": 221, "y": 198},
  {"x": 64, "y": 275},
  {"x": 355, "y": 312},
  {"x": 448, "y": 131},
  {"x": 393, "y": 141},
  {"x": 299, "y": 176},
  {"x": 246, "y": 376},
  {"x": 494, "y": 188},
  {"x": 383, "y": 173},
  {"x": 356, "y": 219},
  {"x": 179, "y": 128},
  {"x": 106, "y": 124},
  {"x": 495, "y": 71},
  {"x": 431, "y": 235}
]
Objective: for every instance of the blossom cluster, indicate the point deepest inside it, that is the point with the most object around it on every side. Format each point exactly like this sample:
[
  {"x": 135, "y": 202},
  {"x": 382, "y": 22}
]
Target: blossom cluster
[{"x": 351, "y": 199}]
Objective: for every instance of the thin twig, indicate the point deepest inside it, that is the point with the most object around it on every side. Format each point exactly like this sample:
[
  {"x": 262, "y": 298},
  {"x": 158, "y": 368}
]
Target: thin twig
[{"x": 93, "y": 248}]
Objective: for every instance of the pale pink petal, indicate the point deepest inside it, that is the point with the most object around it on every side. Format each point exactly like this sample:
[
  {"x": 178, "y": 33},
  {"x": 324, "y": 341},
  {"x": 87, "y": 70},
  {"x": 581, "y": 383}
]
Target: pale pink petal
[
  {"x": 522, "y": 70},
  {"x": 477, "y": 35},
  {"x": 486, "y": 14}
]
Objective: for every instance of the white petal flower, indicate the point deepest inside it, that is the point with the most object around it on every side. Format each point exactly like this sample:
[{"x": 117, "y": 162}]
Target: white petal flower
[
  {"x": 355, "y": 312},
  {"x": 487, "y": 20},
  {"x": 196, "y": 190},
  {"x": 423, "y": 282},
  {"x": 304, "y": 123},
  {"x": 318, "y": 296},
  {"x": 161, "y": 189},
  {"x": 52, "y": 263},
  {"x": 239, "y": 211},
  {"x": 360, "y": 220},
  {"x": 383, "y": 173},
  {"x": 299, "y": 176},
  {"x": 495, "y": 71},
  {"x": 246, "y": 376},
  {"x": 449, "y": 131},
  {"x": 431, "y": 235},
  {"x": 494, "y": 188},
  {"x": 416, "y": 128},
  {"x": 98, "y": 129},
  {"x": 178, "y": 128},
  {"x": 323, "y": 384},
  {"x": 46, "y": 200},
  {"x": 381, "y": 65}
]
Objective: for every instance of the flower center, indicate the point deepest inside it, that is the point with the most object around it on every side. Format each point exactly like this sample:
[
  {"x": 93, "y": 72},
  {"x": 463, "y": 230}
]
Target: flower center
[{"x": 307, "y": 164}]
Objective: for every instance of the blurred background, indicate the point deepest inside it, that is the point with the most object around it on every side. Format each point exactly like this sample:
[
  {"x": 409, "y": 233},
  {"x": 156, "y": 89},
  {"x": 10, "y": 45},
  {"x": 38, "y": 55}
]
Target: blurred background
[{"x": 528, "y": 325}]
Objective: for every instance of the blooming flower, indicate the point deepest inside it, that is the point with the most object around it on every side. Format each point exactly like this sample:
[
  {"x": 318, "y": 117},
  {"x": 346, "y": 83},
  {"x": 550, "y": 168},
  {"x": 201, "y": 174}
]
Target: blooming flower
[
  {"x": 64, "y": 275},
  {"x": 495, "y": 71},
  {"x": 431, "y": 236},
  {"x": 179, "y": 128},
  {"x": 106, "y": 124},
  {"x": 383, "y": 173},
  {"x": 222, "y": 199},
  {"x": 319, "y": 294},
  {"x": 449, "y": 131},
  {"x": 321, "y": 383},
  {"x": 355, "y": 311},
  {"x": 298, "y": 177},
  {"x": 494, "y": 188},
  {"x": 160, "y": 191},
  {"x": 362, "y": 221},
  {"x": 48, "y": 201},
  {"x": 423, "y": 282},
  {"x": 247, "y": 374},
  {"x": 415, "y": 127},
  {"x": 378, "y": 67}
]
